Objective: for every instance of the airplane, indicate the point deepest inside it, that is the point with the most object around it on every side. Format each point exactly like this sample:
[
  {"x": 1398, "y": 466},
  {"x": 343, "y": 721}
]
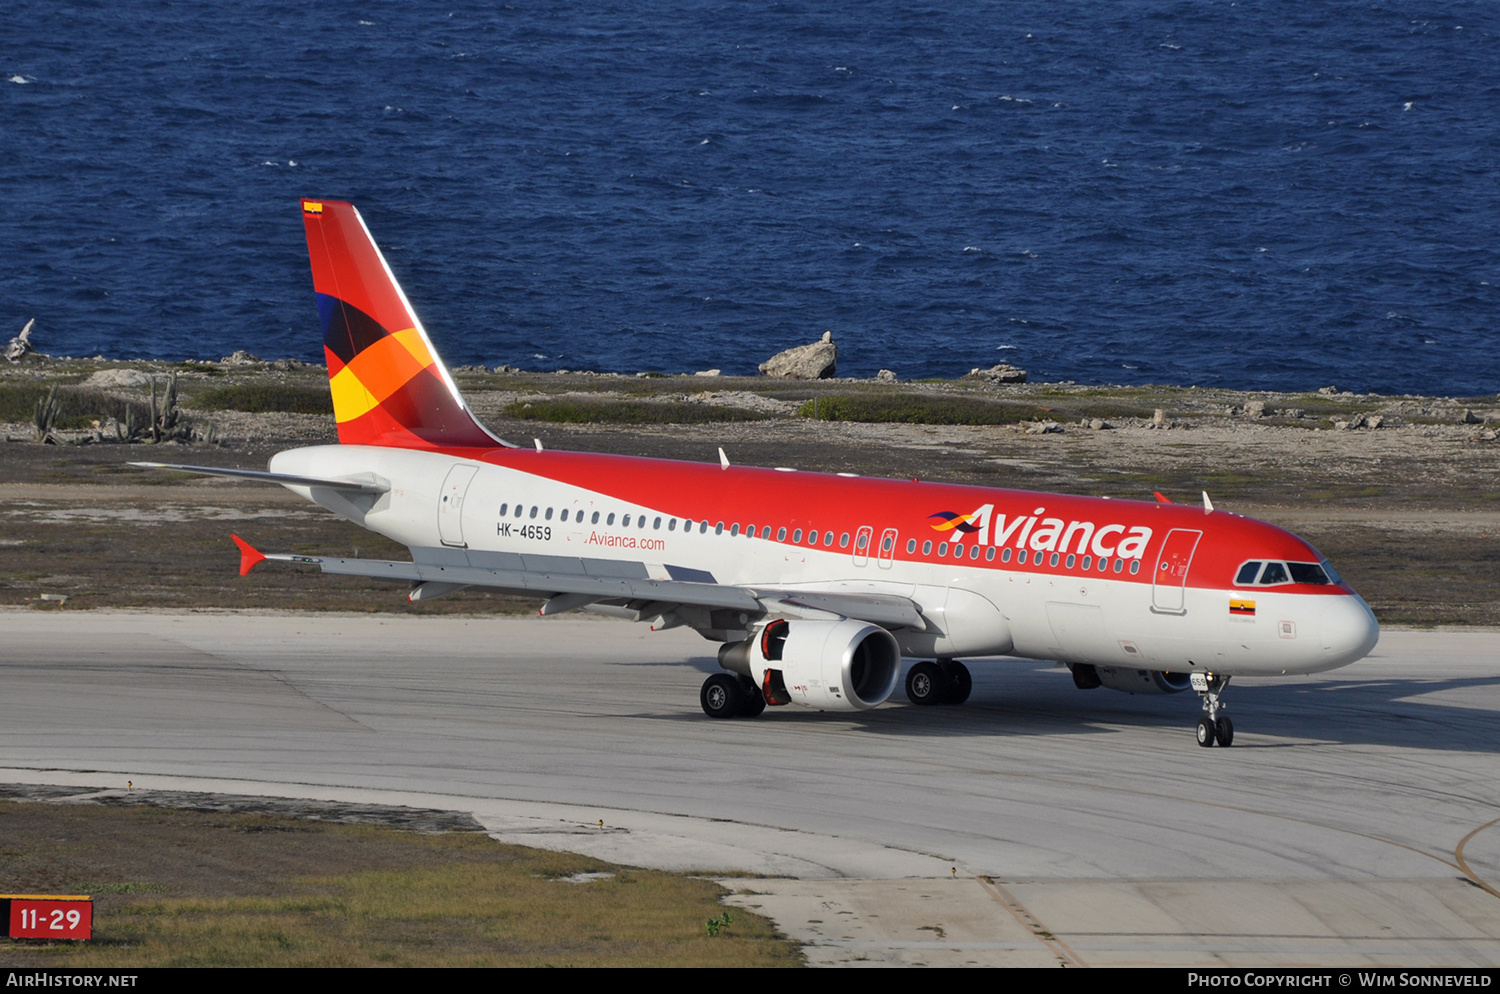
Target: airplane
[{"x": 816, "y": 585}]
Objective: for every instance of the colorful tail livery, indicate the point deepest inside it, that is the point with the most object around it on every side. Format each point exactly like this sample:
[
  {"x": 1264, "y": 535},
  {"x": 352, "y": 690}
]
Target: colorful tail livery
[
  {"x": 389, "y": 387},
  {"x": 816, "y": 585}
]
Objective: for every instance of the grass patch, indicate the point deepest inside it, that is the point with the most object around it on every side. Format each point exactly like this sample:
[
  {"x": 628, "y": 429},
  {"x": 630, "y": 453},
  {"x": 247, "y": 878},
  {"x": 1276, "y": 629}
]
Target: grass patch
[
  {"x": 920, "y": 410},
  {"x": 628, "y": 412},
  {"x": 177, "y": 887},
  {"x": 264, "y": 398}
]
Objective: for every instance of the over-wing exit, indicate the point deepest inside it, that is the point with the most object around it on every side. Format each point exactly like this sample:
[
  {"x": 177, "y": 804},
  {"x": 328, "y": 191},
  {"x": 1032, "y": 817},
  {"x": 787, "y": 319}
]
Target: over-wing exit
[{"x": 815, "y": 585}]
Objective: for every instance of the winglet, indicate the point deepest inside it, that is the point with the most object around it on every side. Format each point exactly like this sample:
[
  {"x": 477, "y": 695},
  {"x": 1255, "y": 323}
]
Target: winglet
[
  {"x": 1160, "y": 498},
  {"x": 249, "y": 555}
]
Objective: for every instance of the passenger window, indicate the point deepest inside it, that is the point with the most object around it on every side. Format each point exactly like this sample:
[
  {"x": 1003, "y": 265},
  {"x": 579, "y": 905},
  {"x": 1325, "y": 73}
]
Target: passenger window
[
  {"x": 1274, "y": 573},
  {"x": 828, "y": 539},
  {"x": 989, "y": 554},
  {"x": 1053, "y": 560},
  {"x": 1005, "y": 556},
  {"x": 548, "y": 515},
  {"x": 718, "y": 528},
  {"x": 703, "y": 527},
  {"x": 595, "y": 519},
  {"x": 1246, "y": 576},
  {"x": 911, "y": 545},
  {"x": 781, "y": 534},
  {"x": 671, "y": 524},
  {"x": 533, "y": 510},
  {"x": 503, "y": 508},
  {"x": 1135, "y": 566},
  {"x": 734, "y": 530},
  {"x": 519, "y": 509},
  {"x": 1021, "y": 558},
  {"x": 812, "y": 537},
  {"x": 625, "y": 521},
  {"x": 765, "y": 532},
  {"x": 797, "y": 535},
  {"x": 942, "y": 549},
  {"x": 1088, "y": 563},
  {"x": 1119, "y": 565},
  {"x": 844, "y": 542},
  {"x": 656, "y": 524},
  {"x": 1070, "y": 561},
  {"x": 927, "y": 548},
  {"x": 611, "y": 519}
]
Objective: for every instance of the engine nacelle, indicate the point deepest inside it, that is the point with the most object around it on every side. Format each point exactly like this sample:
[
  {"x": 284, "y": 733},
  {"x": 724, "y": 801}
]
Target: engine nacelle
[
  {"x": 829, "y": 665},
  {"x": 1131, "y": 681}
]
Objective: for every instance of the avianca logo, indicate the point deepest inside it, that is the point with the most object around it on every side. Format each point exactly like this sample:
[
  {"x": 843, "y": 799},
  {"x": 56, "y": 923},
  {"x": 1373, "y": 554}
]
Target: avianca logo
[
  {"x": 1038, "y": 533},
  {"x": 950, "y": 521}
]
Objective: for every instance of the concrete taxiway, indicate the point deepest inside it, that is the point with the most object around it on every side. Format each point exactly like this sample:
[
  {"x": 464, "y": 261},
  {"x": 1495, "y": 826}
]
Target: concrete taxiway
[{"x": 1356, "y": 820}]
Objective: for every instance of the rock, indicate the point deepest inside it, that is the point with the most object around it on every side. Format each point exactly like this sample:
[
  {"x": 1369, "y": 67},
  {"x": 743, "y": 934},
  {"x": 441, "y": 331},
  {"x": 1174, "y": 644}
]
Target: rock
[
  {"x": 818, "y": 361},
  {"x": 1000, "y": 373},
  {"x": 1043, "y": 428},
  {"x": 1099, "y": 424},
  {"x": 21, "y": 344},
  {"x": 239, "y": 358},
  {"x": 1488, "y": 435},
  {"x": 1255, "y": 408},
  {"x": 507, "y": 369},
  {"x": 886, "y": 376},
  {"x": 1292, "y": 412},
  {"x": 1328, "y": 391},
  {"x": 1470, "y": 418},
  {"x": 1341, "y": 425},
  {"x": 1159, "y": 419},
  {"x": 290, "y": 364},
  {"x": 119, "y": 379},
  {"x": 1374, "y": 420},
  {"x": 709, "y": 372}
]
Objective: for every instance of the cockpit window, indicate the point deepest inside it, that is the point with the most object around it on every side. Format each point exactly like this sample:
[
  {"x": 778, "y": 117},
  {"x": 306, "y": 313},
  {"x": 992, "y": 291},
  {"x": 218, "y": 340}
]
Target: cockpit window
[
  {"x": 1246, "y": 575},
  {"x": 1307, "y": 573},
  {"x": 1333, "y": 575},
  {"x": 1274, "y": 573}
]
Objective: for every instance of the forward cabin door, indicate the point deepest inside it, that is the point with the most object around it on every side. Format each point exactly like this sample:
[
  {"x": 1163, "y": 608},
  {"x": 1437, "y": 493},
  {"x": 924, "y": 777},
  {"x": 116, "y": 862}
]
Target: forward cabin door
[
  {"x": 451, "y": 504},
  {"x": 1169, "y": 585}
]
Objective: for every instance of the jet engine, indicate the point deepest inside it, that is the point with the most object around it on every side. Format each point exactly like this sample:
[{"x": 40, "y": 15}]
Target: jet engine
[
  {"x": 1131, "y": 681},
  {"x": 841, "y": 665}
]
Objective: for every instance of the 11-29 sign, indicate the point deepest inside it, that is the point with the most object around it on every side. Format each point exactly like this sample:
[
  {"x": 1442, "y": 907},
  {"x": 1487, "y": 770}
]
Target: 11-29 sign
[{"x": 49, "y": 916}]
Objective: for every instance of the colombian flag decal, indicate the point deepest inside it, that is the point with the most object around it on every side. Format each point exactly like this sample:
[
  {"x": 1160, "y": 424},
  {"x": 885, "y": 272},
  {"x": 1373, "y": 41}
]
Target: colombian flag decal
[
  {"x": 308, "y": 207},
  {"x": 1241, "y": 608},
  {"x": 949, "y": 521}
]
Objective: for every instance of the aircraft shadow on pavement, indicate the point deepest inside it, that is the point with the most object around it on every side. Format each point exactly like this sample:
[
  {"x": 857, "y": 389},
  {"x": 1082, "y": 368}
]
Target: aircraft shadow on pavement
[{"x": 1029, "y": 697}]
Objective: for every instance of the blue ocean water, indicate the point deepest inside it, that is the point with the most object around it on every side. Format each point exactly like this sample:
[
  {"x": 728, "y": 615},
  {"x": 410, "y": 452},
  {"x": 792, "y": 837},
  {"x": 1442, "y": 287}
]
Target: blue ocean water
[{"x": 1247, "y": 194}]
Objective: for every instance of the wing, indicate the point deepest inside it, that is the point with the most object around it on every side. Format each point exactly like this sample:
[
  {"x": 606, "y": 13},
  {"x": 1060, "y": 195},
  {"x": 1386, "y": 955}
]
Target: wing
[{"x": 621, "y": 588}]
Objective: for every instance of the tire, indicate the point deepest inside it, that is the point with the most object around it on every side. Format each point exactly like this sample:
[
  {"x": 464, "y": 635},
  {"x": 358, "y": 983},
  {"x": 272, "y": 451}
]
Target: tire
[
  {"x": 925, "y": 684},
  {"x": 1206, "y": 732},
  {"x": 721, "y": 696},
  {"x": 753, "y": 702},
  {"x": 960, "y": 681},
  {"x": 1224, "y": 731}
]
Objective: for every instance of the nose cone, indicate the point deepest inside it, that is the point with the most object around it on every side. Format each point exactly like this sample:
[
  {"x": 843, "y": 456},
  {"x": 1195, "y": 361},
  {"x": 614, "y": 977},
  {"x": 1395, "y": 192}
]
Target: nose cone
[{"x": 1349, "y": 629}]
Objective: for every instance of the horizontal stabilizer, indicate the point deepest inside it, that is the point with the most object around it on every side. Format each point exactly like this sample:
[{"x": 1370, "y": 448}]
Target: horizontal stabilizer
[
  {"x": 249, "y": 555},
  {"x": 287, "y": 479}
]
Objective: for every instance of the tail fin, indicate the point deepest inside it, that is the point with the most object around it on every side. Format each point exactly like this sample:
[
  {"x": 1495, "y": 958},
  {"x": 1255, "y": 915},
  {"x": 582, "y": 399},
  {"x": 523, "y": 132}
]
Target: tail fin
[{"x": 389, "y": 386}]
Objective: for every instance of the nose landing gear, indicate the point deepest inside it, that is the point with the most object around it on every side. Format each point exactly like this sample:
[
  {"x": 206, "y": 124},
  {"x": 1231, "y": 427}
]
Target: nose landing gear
[{"x": 1215, "y": 725}]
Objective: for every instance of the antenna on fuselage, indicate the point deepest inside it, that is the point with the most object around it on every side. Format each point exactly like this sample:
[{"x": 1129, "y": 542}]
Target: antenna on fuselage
[
  {"x": 1208, "y": 505},
  {"x": 723, "y": 459},
  {"x": 538, "y": 442}
]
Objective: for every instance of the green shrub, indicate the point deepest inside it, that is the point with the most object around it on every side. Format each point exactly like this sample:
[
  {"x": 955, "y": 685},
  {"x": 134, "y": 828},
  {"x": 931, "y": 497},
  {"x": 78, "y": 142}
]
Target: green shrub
[
  {"x": 263, "y": 398},
  {"x": 915, "y": 410},
  {"x": 628, "y": 412},
  {"x": 78, "y": 407}
]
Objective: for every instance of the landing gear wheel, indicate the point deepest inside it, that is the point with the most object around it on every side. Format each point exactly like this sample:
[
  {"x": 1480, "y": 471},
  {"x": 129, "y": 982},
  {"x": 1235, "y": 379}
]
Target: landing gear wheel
[
  {"x": 1215, "y": 725},
  {"x": 925, "y": 684},
  {"x": 753, "y": 702},
  {"x": 960, "y": 682},
  {"x": 1206, "y": 731},
  {"x": 722, "y": 696},
  {"x": 1224, "y": 731}
]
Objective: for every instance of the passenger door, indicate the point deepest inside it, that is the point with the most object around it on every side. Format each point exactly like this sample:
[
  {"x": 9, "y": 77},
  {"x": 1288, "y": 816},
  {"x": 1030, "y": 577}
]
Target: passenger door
[{"x": 1169, "y": 584}]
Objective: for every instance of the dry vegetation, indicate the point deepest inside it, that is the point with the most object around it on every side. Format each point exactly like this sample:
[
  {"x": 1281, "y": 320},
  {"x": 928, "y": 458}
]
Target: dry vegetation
[{"x": 183, "y": 887}]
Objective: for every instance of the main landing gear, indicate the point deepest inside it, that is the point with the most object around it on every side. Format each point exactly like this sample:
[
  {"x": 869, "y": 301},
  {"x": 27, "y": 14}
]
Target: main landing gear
[
  {"x": 1215, "y": 725},
  {"x": 946, "y": 681},
  {"x": 729, "y": 695}
]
